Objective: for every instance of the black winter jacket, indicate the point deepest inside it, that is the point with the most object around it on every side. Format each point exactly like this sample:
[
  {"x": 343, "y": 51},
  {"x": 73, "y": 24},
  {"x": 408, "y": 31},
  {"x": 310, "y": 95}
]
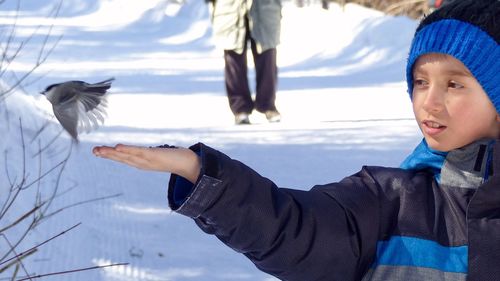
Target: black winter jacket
[{"x": 378, "y": 224}]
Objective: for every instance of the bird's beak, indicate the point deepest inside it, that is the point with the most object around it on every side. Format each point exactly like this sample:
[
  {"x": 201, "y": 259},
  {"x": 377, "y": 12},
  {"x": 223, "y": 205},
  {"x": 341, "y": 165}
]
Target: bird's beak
[{"x": 42, "y": 93}]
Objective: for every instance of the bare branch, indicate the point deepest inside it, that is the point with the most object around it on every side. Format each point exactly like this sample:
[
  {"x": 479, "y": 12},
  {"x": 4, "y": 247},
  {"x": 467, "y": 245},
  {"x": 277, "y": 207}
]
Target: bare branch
[
  {"x": 16, "y": 270},
  {"x": 41, "y": 244},
  {"x": 23, "y": 217},
  {"x": 49, "y": 143},
  {"x": 23, "y": 145},
  {"x": 58, "y": 180},
  {"x": 12, "y": 218},
  {"x": 16, "y": 262},
  {"x": 35, "y": 136},
  {"x": 47, "y": 36},
  {"x": 44, "y": 52},
  {"x": 45, "y": 174},
  {"x": 73, "y": 271},
  {"x": 82, "y": 203},
  {"x": 10, "y": 38},
  {"x": 18, "y": 258},
  {"x": 19, "y": 240},
  {"x": 11, "y": 182},
  {"x": 9, "y": 203}
]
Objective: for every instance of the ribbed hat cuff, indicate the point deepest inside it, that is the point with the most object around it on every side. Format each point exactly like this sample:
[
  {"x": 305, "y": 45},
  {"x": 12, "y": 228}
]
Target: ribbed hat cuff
[{"x": 478, "y": 51}]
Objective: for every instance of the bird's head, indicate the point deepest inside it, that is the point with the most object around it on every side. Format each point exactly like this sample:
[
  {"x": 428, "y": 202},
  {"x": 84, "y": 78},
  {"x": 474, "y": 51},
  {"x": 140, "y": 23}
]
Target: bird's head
[{"x": 48, "y": 89}]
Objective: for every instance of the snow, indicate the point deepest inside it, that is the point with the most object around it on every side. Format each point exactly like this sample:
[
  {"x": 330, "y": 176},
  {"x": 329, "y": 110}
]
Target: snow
[{"x": 341, "y": 93}]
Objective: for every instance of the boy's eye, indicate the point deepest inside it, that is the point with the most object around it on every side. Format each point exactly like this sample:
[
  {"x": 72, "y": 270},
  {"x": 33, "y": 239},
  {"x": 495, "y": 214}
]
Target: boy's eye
[
  {"x": 455, "y": 85},
  {"x": 419, "y": 83}
]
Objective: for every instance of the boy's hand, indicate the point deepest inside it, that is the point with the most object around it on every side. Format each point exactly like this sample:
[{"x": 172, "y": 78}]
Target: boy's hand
[{"x": 181, "y": 161}]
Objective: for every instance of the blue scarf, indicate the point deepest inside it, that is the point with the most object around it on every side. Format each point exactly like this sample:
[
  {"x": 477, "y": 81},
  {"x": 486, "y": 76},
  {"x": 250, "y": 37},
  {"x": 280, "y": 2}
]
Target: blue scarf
[{"x": 424, "y": 157}]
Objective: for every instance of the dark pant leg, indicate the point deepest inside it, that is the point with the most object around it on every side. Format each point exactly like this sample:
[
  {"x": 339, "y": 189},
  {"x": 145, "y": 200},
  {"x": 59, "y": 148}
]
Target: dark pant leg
[
  {"x": 266, "y": 73},
  {"x": 237, "y": 89}
]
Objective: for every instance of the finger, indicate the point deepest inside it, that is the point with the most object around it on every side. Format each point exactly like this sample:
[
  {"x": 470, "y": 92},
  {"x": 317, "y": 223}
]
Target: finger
[
  {"x": 101, "y": 150},
  {"x": 126, "y": 149},
  {"x": 111, "y": 153},
  {"x": 149, "y": 158},
  {"x": 126, "y": 154},
  {"x": 132, "y": 149},
  {"x": 126, "y": 158}
]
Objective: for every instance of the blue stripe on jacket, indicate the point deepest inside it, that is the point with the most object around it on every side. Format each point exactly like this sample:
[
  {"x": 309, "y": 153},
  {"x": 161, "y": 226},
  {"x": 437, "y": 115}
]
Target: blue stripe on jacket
[{"x": 410, "y": 251}]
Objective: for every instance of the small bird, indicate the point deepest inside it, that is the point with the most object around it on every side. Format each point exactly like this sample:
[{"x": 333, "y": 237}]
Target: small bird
[{"x": 77, "y": 105}]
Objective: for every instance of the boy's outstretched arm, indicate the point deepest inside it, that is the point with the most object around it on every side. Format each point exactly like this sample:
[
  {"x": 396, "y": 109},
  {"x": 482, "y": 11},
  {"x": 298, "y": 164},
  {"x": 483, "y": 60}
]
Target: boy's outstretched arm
[
  {"x": 295, "y": 235},
  {"x": 181, "y": 161}
]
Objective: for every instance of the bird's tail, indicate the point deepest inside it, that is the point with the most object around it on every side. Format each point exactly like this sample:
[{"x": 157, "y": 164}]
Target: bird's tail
[
  {"x": 100, "y": 87},
  {"x": 107, "y": 81}
]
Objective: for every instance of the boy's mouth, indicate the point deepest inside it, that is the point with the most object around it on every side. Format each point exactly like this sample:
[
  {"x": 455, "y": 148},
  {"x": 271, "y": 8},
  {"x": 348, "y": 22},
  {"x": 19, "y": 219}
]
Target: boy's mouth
[{"x": 432, "y": 127}]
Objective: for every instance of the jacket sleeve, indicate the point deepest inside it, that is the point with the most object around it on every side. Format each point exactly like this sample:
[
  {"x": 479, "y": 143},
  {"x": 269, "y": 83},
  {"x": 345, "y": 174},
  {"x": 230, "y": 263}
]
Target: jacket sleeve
[{"x": 327, "y": 233}]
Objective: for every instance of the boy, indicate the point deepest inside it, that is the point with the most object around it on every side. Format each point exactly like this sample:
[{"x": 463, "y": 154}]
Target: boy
[{"x": 435, "y": 218}]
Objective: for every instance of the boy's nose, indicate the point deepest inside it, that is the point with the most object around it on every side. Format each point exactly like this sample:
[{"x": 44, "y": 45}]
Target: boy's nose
[{"x": 434, "y": 100}]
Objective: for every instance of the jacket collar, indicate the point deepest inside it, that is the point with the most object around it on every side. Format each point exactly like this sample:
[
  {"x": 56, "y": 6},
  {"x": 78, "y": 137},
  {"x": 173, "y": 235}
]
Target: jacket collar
[{"x": 466, "y": 167}]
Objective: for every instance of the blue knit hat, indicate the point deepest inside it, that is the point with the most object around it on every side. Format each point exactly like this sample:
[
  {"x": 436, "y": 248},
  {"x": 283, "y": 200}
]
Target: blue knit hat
[{"x": 468, "y": 30}]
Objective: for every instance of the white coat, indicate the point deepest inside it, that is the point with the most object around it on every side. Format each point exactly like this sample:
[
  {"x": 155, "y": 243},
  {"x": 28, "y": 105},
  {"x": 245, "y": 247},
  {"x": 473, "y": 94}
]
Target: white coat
[{"x": 228, "y": 19}]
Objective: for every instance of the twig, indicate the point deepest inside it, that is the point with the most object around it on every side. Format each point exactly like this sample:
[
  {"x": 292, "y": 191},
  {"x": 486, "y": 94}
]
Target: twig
[
  {"x": 81, "y": 203},
  {"x": 19, "y": 240},
  {"x": 18, "y": 257},
  {"x": 43, "y": 53},
  {"x": 23, "y": 217},
  {"x": 49, "y": 143},
  {"x": 16, "y": 270},
  {"x": 10, "y": 38},
  {"x": 44, "y": 174},
  {"x": 35, "y": 136},
  {"x": 7, "y": 266},
  {"x": 23, "y": 145},
  {"x": 41, "y": 244},
  {"x": 45, "y": 40},
  {"x": 72, "y": 271},
  {"x": 58, "y": 180}
]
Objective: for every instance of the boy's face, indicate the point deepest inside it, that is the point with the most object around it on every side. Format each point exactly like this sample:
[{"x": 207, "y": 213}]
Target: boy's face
[{"x": 450, "y": 106}]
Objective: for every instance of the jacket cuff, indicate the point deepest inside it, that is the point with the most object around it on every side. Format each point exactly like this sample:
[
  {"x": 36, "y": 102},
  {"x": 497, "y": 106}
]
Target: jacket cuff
[{"x": 204, "y": 192}]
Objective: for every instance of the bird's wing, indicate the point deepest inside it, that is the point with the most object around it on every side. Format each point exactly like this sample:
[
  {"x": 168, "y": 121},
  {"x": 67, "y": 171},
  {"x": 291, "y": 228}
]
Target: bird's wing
[
  {"x": 82, "y": 113},
  {"x": 91, "y": 95},
  {"x": 68, "y": 117},
  {"x": 91, "y": 100},
  {"x": 91, "y": 110}
]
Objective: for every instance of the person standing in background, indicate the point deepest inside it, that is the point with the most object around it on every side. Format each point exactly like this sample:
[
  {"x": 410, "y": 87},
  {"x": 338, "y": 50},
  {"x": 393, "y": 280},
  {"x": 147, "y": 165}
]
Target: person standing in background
[{"x": 235, "y": 23}]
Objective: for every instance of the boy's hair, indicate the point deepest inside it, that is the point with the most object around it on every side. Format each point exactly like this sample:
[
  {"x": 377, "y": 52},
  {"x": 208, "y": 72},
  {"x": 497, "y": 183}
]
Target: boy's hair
[{"x": 468, "y": 30}]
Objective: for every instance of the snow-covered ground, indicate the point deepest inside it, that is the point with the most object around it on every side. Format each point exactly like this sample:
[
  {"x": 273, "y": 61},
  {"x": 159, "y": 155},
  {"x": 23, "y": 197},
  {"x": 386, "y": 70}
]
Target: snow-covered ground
[{"x": 342, "y": 96}]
